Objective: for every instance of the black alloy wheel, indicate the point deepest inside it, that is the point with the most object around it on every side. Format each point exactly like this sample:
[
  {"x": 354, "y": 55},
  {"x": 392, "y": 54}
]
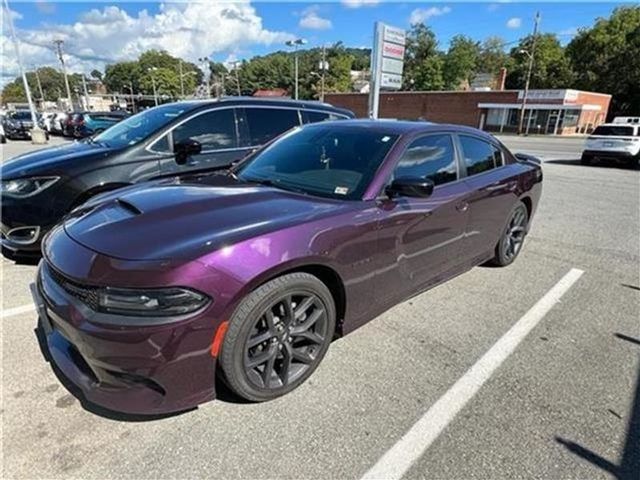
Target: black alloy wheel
[
  {"x": 512, "y": 239},
  {"x": 278, "y": 336}
]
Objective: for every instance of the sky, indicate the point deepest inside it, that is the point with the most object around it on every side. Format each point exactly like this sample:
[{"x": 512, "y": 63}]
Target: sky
[{"x": 102, "y": 32}]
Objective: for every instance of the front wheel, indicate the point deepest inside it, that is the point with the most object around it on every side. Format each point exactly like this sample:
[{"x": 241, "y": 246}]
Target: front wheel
[
  {"x": 278, "y": 336},
  {"x": 512, "y": 238}
]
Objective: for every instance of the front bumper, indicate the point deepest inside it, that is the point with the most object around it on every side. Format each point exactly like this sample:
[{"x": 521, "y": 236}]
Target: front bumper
[{"x": 137, "y": 370}]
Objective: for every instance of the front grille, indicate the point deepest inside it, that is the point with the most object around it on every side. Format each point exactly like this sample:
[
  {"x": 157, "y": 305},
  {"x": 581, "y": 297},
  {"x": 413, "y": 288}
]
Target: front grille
[{"x": 86, "y": 294}]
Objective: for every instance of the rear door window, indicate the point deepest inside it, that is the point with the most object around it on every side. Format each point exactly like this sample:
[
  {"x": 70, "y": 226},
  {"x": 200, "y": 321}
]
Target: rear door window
[
  {"x": 479, "y": 156},
  {"x": 309, "y": 116},
  {"x": 215, "y": 130},
  {"x": 431, "y": 157},
  {"x": 264, "y": 124}
]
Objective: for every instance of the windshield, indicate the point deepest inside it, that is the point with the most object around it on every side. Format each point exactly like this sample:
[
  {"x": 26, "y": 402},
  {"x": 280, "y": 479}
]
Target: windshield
[
  {"x": 138, "y": 127},
  {"x": 610, "y": 130},
  {"x": 25, "y": 115},
  {"x": 326, "y": 160}
]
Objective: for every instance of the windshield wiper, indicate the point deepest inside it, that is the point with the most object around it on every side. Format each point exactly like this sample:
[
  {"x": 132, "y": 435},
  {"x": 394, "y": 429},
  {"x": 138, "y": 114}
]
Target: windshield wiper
[{"x": 265, "y": 182}]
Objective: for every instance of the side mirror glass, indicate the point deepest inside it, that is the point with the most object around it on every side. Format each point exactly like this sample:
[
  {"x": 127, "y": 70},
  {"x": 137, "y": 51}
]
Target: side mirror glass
[
  {"x": 186, "y": 148},
  {"x": 410, "y": 187}
]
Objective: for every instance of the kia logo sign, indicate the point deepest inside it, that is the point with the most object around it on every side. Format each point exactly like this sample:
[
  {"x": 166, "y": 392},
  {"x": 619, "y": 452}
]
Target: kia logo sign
[{"x": 392, "y": 50}]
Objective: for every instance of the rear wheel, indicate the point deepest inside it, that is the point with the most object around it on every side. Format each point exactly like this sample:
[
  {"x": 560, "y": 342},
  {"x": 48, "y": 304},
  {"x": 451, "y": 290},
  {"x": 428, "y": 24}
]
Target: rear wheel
[
  {"x": 510, "y": 243},
  {"x": 278, "y": 336}
]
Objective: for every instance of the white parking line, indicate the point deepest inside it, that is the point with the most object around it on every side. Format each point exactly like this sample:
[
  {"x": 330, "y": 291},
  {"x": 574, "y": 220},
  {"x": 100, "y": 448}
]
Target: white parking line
[
  {"x": 10, "y": 312},
  {"x": 399, "y": 458}
]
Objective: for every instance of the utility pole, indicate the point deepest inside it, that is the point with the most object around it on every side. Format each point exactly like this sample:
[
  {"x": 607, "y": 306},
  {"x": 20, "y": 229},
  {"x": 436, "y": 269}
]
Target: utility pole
[
  {"x": 531, "y": 56},
  {"x": 37, "y": 135},
  {"x": 58, "y": 44},
  {"x": 39, "y": 87},
  {"x": 181, "y": 80}
]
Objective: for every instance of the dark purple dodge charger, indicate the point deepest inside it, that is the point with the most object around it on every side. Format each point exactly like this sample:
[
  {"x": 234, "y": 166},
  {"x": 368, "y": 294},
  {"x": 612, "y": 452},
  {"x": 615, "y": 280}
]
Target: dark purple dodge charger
[{"x": 147, "y": 293}]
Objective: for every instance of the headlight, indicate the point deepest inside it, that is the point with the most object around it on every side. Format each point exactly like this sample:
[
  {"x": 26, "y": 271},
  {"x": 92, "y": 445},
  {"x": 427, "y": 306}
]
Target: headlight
[
  {"x": 162, "y": 302},
  {"x": 26, "y": 187}
]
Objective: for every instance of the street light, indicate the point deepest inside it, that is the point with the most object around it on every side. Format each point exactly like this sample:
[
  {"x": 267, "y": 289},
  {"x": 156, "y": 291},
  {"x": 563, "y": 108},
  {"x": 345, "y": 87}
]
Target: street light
[
  {"x": 37, "y": 135},
  {"x": 207, "y": 73},
  {"x": 58, "y": 44},
  {"x": 531, "y": 56},
  {"x": 182, "y": 75},
  {"x": 153, "y": 82},
  {"x": 295, "y": 44}
]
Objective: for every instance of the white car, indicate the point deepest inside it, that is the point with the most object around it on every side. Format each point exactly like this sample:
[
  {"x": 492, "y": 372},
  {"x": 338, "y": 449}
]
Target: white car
[{"x": 613, "y": 141}]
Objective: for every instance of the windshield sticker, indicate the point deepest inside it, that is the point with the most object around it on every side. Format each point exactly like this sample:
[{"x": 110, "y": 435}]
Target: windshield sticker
[{"x": 341, "y": 190}]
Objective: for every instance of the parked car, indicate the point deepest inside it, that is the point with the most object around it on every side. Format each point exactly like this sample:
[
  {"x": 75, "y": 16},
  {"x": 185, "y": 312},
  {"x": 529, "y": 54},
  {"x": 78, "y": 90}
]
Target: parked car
[
  {"x": 91, "y": 123},
  {"x": 148, "y": 293},
  {"x": 57, "y": 125},
  {"x": 70, "y": 123},
  {"x": 40, "y": 187},
  {"x": 613, "y": 141},
  {"x": 47, "y": 120},
  {"x": 18, "y": 125}
]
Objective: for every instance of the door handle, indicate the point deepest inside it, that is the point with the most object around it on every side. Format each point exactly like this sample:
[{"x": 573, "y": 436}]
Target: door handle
[{"x": 462, "y": 206}]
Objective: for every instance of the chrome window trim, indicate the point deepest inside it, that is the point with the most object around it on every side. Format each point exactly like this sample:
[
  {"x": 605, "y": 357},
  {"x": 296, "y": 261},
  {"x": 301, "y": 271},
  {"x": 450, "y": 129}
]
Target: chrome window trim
[{"x": 149, "y": 147}]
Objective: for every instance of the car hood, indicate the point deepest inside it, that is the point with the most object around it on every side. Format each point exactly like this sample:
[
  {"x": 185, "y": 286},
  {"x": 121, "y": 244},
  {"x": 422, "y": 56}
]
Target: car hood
[
  {"x": 177, "y": 220},
  {"x": 49, "y": 160}
]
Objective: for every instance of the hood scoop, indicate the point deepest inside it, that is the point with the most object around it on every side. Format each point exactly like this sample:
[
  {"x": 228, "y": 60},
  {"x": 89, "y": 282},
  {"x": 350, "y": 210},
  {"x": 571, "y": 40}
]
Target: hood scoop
[{"x": 128, "y": 206}]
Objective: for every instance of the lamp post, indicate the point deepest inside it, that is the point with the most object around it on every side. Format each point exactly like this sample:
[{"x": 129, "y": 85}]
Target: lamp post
[
  {"x": 37, "y": 134},
  {"x": 153, "y": 83},
  {"x": 130, "y": 87},
  {"x": 324, "y": 66},
  {"x": 235, "y": 67},
  {"x": 295, "y": 44},
  {"x": 207, "y": 73},
  {"x": 39, "y": 87},
  {"x": 531, "y": 56}
]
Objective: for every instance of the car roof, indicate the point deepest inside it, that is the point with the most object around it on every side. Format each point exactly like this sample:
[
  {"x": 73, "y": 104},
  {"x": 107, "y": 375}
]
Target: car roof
[
  {"x": 403, "y": 127},
  {"x": 619, "y": 124},
  {"x": 272, "y": 102}
]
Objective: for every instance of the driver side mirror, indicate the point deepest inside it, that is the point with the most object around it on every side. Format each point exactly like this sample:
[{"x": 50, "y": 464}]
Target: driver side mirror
[
  {"x": 410, "y": 187},
  {"x": 186, "y": 148}
]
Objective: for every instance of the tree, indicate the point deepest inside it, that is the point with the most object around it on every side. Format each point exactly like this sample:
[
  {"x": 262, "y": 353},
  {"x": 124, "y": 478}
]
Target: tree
[
  {"x": 605, "y": 59},
  {"x": 122, "y": 76},
  {"x": 460, "y": 62},
  {"x": 492, "y": 56},
  {"x": 51, "y": 80},
  {"x": 423, "y": 63},
  {"x": 551, "y": 67},
  {"x": 97, "y": 74}
]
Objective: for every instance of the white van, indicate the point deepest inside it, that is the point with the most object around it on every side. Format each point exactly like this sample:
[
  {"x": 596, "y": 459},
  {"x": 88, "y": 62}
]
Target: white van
[{"x": 613, "y": 141}]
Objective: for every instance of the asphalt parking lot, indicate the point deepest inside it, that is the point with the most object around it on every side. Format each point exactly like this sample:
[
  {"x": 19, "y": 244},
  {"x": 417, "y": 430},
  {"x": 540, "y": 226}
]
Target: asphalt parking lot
[{"x": 564, "y": 402}]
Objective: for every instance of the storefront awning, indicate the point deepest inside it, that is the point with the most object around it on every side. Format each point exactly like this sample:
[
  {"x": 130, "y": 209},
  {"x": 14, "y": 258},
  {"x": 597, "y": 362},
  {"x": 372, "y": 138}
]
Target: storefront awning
[{"x": 541, "y": 106}]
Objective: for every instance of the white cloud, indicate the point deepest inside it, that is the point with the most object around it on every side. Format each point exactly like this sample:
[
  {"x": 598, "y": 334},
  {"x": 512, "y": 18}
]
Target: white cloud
[
  {"x": 492, "y": 7},
  {"x": 421, "y": 15},
  {"x": 110, "y": 34},
  {"x": 359, "y": 3},
  {"x": 514, "y": 23},
  {"x": 312, "y": 20}
]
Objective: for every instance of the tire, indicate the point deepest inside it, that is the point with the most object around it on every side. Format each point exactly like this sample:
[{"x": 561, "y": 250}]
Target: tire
[
  {"x": 585, "y": 159},
  {"x": 3, "y": 139},
  {"x": 512, "y": 238},
  {"x": 290, "y": 346}
]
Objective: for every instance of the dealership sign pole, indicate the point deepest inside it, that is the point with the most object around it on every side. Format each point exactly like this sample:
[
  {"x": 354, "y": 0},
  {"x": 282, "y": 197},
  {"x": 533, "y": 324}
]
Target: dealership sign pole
[{"x": 387, "y": 61}]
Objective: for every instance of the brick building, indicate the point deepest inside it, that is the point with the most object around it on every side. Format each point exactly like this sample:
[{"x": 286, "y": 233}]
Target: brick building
[{"x": 555, "y": 112}]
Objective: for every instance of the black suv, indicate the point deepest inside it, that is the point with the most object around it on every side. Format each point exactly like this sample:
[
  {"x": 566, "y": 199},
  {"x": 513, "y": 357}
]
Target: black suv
[{"x": 39, "y": 188}]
